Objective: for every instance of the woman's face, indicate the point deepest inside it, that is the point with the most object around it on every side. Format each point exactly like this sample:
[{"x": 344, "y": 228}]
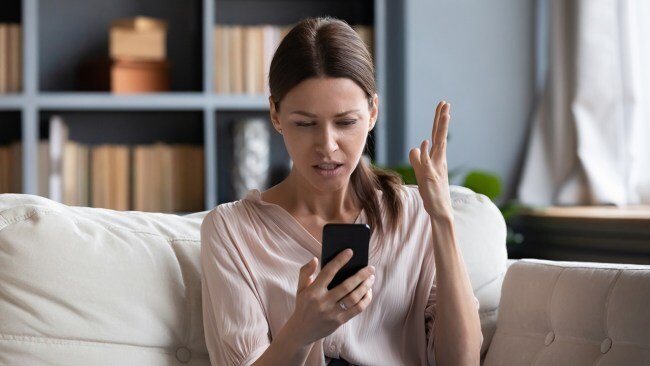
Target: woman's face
[{"x": 325, "y": 123}]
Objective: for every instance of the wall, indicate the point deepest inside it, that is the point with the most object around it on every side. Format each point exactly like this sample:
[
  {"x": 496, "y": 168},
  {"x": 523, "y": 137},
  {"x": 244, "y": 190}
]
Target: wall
[{"x": 479, "y": 56}]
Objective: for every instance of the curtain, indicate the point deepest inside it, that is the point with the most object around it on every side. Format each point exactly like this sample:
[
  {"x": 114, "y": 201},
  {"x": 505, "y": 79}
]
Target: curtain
[{"x": 589, "y": 142}]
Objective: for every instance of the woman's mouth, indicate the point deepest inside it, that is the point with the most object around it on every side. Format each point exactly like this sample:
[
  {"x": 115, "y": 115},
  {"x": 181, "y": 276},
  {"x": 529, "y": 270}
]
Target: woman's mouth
[{"x": 328, "y": 170}]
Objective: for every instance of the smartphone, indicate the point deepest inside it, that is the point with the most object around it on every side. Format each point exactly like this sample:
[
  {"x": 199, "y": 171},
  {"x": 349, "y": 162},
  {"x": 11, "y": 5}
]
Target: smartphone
[{"x": 337, "y": 238}]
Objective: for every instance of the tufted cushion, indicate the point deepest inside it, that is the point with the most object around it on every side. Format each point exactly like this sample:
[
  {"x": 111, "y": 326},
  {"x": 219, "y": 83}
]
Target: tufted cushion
[
  {"x": 571, "y": 313},
  {"x": 86, "y": 286}
]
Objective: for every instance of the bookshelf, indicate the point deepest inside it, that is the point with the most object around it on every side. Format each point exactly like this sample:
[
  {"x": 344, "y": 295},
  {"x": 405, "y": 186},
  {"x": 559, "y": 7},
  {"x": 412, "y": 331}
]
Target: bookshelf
[{"x": 59, "y": 34}]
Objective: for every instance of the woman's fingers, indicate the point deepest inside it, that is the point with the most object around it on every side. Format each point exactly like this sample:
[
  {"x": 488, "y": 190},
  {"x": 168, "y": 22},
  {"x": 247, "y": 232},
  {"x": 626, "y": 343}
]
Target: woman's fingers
[
  {"x": 440, "y": 141},
  {"x": 306, "y": 276},
  {"x": 330, "y": 270},
  {"x": 414, "y": 157},
  {"x": 424, "y": 151},
  {"x": 357, "y": 308},
  {"x": 350, "y": 284},
  {"x": 436, "y": 117},
  {"x": 353, "y": 297}
]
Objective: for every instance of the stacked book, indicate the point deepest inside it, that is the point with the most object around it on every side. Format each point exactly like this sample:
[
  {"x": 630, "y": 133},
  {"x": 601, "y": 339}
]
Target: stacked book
[
  {"x": 11, "y": 65},
  {"x": 156, "y": 178},
  {"x": 11, "y": 176},
  {"x": 243, "y": 56}
]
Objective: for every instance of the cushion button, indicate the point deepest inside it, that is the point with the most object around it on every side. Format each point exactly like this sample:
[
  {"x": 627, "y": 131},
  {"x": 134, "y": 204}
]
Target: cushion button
[
  {"x": 550, "y": 337},
  {"x": 606, "y": 345},
  {"x": 183, "y": 354}
]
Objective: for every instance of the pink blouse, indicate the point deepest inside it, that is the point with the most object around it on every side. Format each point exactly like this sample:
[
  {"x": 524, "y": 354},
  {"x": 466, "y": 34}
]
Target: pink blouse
[{"x": 251, "y": 253}]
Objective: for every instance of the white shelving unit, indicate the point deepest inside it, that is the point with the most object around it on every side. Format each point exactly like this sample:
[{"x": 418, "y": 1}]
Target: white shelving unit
[{"x": 41, "y": 95}]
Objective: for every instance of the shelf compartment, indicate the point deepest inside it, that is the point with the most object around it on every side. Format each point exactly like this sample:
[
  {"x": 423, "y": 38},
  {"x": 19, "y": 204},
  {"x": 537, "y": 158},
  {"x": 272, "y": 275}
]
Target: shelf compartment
[
  {"x": 79, "y": 31},
  {"x": 244, "y": 41},
  {"x": 152, "y": 161},
  {"x": 279, "y": 161}
]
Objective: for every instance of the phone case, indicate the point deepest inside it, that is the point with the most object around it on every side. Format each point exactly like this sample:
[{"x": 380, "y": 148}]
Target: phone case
[{"x": 337, "y": 238}]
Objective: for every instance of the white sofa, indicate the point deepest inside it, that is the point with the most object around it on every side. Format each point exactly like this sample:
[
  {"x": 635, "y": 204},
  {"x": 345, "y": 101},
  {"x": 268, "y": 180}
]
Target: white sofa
[{"x": 87, "y": 286}]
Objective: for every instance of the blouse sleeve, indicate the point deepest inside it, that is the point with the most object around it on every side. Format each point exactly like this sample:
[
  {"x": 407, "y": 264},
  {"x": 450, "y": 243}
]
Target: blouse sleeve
[
  {"x": 429, "y": 321},
  {"x": 236, "y": 328}
]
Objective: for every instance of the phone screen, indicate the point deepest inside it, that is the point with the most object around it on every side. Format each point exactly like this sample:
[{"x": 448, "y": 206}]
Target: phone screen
[{"x": 337, "y": 238}]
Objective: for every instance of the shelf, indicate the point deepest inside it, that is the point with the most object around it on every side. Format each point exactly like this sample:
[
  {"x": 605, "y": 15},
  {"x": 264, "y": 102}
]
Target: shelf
[
  {"x": 240, "y": 102},
  {"x": 104, "y": 101},
  {"x": 59, "y": 36},
  {"x": 157, "y": 101},
  {"x": 11, "y": 101}
]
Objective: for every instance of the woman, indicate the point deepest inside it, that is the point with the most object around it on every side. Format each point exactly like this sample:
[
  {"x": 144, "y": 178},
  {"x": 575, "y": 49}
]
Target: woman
[{"x": 264, "y": 300}]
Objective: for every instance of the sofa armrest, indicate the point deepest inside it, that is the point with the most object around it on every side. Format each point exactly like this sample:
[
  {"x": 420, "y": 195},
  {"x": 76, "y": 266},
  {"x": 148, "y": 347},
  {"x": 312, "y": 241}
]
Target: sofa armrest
[{"x": 570, "y": 313}]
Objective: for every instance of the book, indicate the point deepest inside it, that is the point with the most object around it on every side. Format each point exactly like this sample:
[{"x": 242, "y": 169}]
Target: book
[
  {"x": 252, "y": 46},
  {"x": 58, "y": 139},
  {"x": 236, "y": 60},
  {"x": 11, "y": 172},
  {"x": 44, "y": 168},
  {"x": 16, "y": 167},
  {"x": 168, "y": 178},
  {"x": 222, "y": 59},
  {"x": 14, "y": 62},
  {"x": 110, "y": 177},
  {"x": 4, "y": 58},
  {"x": 75, "y": 174},
  {"x": 271, "y": 40}
]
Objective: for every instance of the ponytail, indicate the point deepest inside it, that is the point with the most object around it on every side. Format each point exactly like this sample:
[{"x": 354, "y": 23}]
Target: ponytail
[{"x": 365, "y": 182}]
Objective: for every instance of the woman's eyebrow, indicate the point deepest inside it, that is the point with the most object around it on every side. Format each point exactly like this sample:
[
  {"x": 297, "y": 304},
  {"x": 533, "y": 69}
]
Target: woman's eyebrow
[{"x": 314, "y": 116}]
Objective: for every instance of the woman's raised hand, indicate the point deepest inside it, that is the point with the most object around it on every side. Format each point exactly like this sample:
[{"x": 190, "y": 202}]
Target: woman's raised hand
[
  {"x": 319, "y": 312},
  {"x": 430, "y": 166}
]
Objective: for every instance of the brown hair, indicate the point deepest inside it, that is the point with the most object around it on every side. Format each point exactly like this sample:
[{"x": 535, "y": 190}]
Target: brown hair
[{"x": 328, "y": 47}]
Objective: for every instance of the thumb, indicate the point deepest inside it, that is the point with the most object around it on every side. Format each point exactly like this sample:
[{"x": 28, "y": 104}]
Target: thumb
[{"x": 307, "y": 272}]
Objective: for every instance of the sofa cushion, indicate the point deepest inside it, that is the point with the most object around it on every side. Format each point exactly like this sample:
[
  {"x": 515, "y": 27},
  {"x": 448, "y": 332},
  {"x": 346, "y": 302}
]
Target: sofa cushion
[
  {"x": 90, "y": 286},
  {"x": 481, "y": 233},
  {"x": 573, "y": 313},
  {"x": 87, "y": 286}
]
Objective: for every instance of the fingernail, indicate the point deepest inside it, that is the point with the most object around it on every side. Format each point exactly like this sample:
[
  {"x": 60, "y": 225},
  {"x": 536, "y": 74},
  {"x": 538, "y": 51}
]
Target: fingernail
[
  {"x": 372, "y": 278},
  {"x": 372, "y": 268}
]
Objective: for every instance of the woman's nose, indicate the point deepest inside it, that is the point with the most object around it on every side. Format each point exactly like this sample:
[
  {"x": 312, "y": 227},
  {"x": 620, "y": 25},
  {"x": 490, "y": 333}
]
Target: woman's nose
[{"x": 327, "y": 141}]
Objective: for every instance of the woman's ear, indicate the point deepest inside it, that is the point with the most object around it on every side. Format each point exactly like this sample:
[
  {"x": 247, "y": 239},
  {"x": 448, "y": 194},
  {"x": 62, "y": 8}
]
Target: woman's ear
[
  {"x": 374, "y": 111},
  {"x": 274, "y": 116}
]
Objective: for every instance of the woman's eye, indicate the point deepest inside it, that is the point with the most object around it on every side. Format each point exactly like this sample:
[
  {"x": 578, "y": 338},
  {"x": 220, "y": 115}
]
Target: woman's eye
[
  {"x": 348, "y": 122},
  {"x": 304, "y": 124}
]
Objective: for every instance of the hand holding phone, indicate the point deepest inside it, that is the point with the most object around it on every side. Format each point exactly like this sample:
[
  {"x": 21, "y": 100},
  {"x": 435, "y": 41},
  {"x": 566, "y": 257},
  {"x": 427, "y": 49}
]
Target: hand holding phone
[{"x": 337, "y": 238}]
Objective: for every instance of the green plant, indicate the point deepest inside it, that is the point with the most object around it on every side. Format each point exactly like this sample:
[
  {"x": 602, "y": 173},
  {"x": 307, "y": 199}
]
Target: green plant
[{"x": 490, "y": 185}]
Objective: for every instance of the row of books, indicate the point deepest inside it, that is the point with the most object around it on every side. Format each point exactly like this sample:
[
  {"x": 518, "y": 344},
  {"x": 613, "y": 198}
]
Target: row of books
[
  {"x": 11, "y": 65},
  {"x": 157, "y": 177},
  {"x": 243, "y": 55},
  {"x": 11, "y": 168}
]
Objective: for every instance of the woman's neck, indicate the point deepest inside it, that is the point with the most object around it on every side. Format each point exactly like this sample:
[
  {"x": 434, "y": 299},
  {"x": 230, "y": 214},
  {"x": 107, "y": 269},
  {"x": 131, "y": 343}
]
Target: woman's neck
[{"x": 301, "y": 199}]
